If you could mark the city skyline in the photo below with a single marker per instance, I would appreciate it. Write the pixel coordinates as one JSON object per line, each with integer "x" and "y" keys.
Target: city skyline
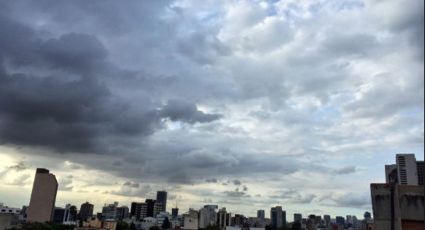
{"x": 245, "y": 104}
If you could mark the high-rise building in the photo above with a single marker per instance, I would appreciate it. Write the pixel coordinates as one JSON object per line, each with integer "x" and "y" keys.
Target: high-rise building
{"x": 174, "y": 212}
{"x": 122, "y": 213}
{"x": 340, "y": 220}
{"x": 58, "y": 215}
{"x": 223, "y": 218}
{"x": 278, "y": 217}
{"x": 109, "y": 211}
{"x": 150, "y": 207}
{"x": 136, "y": 210}
{"x": 261, "y": 214}
{"x": 407, "y": 169}
{"x": 207, "y": 215}
{"x": 43, "y": 197}
{"x": 190, "y": 220}
{"x": 70, "y": 214}
{"x": 421, "y": 171}
{"x": 161, "y": 201}
{"x": 327, "y": 219}
{"x": 298, "y": 217}
{"x": 86, "y": 211}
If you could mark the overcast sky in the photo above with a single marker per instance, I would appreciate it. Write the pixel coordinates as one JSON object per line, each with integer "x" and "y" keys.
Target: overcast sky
{"x": 244, "y": 104}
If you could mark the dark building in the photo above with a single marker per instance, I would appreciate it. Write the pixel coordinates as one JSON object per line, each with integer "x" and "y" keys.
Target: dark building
{"x": 58, "y": 215}
{"x": 298, "y": 217}
{"x": 161, "y": 201}
{"x": 136, "y": 210}
{"x": 86, "y": 211}
{"x": 327, "y": 219}
{"x": 122, "y": 213}
{"x": 420, "y": 168}
{"x": 174, "y": 212}
{"x": 340, "y": 220}
{"x": 261, "y": 214}
{"x": 278, "y": 217}
{"x": 70, "y": 213}
{"x": 150, "y": 207}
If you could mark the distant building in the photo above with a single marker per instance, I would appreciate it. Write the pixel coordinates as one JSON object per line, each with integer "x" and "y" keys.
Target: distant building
{"x": 7, "y": 209}
{"x": 70, "y": 215}
{"x": 298, "y": 217}
{"x": 190, "y": 220}
{"x": 9, "y": 217}
{"x": 58, "y": 215}
{"x": 223, "y": 218}
{"x": 136, "y": 210}
{"x": 327, "y": 220}
{"x": 150, "y": 207}
{"x": 109, "y": 211}
{"x": 278, "y": 217}
{"x": 43, "y": 197}
{"x": 340, "y": 220}
{"x": 207, "y": 215}
{"x": 261, "y": 214}
{"x": 174, "y": 212}
{"x": 122, "y": 213}
{"x": 86, "y": 211}
{"x": 161, "y": 202}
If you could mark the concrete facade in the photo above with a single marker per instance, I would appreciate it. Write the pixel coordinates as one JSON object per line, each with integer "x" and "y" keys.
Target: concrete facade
{"x": 43, "y": 197}
{"x": 408, "y": 206}
{"x": 407, "y": 169}
{"x": 190, "y": 220}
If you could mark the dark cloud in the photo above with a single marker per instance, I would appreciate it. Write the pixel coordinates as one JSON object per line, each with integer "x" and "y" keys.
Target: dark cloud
{"x": 131, "y": 184}
{"x": 236, "y": 193}
{"x": 212, "y": 180}
{"x": 183, "y": 111}
{"x": 236, "y": 182}
{"x": 20, "y": 166}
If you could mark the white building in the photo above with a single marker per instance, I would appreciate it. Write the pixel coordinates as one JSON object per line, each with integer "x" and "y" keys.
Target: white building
{"x": 7, "y": 209}
{"x": 147, "y": 223}
{"x": 407, "y": 169}
{"x": 190, "y": 220}
{"x": 160, "y": 218}
{"x": 207, "y": 215}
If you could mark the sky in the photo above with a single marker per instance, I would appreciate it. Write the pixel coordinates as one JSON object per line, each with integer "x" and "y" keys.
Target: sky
{"x": 244, "y": 104}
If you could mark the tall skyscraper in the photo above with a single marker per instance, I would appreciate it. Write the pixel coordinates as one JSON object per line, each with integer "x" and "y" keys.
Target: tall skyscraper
{"x": 261, "y": 214}
{"x": 43, "y": 197}
{"x": 161, "y": 201}
{"x": 86, "y": 211}
{"x": 278, "y": 217}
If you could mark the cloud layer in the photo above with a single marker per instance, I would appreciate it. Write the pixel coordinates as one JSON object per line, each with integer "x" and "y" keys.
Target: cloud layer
{"x": 213, "y": 100}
